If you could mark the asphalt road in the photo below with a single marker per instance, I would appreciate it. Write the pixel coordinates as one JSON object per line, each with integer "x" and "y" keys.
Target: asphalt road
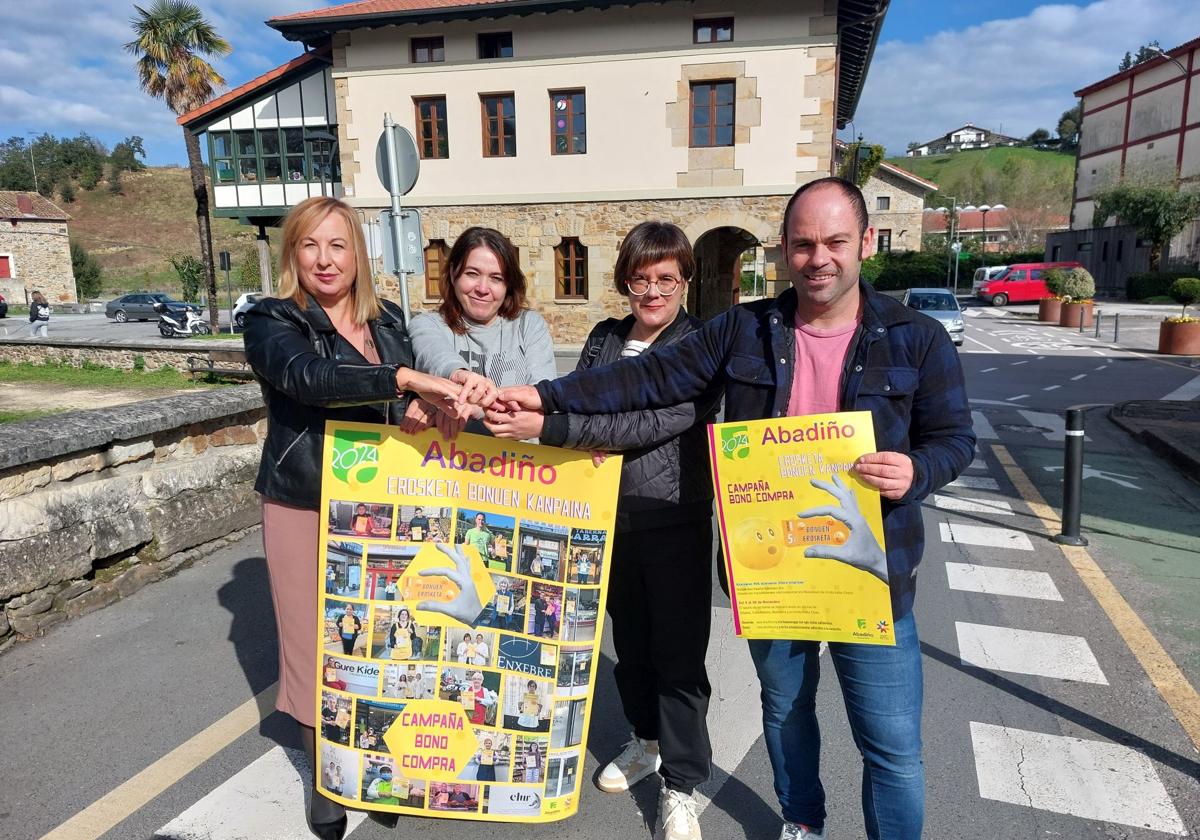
{"x": 1040, "y": 720}
{"x": 92, "y": 327}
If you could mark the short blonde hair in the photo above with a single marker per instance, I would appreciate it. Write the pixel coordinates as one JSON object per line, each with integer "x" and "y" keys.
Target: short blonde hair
{"x": 303, "y": 219}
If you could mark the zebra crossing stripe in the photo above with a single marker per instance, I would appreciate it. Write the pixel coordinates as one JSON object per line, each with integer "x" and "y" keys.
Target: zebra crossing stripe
{"x": 983, "y": 429}
{"x": 1028, "y": 652}
{"x": 1089, "y": 779}
{"x": 984, "y": 535}
{"x": 965, "y": 505}
{"x": 994, "y": 580}
{"x": 975, "y": 483}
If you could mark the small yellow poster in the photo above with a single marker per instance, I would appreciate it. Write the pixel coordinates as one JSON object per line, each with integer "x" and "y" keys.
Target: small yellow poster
{"x": 462, "y": 610}
{"x": 803, "y": 537}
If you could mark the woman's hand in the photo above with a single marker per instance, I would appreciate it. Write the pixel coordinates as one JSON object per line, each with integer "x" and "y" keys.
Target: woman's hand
{"x": 442, "y": 393}
{"x": 477, "y": 389}
{"x": 515, "y": 425}
{"x": 418, "y": 417}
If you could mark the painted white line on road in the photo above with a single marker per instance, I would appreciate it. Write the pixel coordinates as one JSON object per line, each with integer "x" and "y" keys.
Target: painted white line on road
{"x": 1099, "y": 352}
{"x": 1055, "y": 423}
{"x": 975, "y": 483}
{"x": 994, "y": 580}
{"x": 988, "y": 370}
{"x": 264, "y": 800}
{"x": 977, "y": 464}
{"x": 984, "y": 535}
{"x": 1186, "y": 392}
{"x": 1102, "y": 367}
{"x": 1089, "y": 779}
{"x": 986, "y": 348}
{"x": 972, "y": 505}
{"x": 1051, "y": 387}
{"x": 1025, "y": 362}
{"x": 1028, "y": 652}
{"x": 983, "y": 429}
{"x": 1017, "y": 397}
{"x": 1078, "y": 377}
{"x": 1039, "y": 358}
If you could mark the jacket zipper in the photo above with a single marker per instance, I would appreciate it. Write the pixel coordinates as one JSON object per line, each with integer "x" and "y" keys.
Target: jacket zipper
{"x": 283, "y": 457}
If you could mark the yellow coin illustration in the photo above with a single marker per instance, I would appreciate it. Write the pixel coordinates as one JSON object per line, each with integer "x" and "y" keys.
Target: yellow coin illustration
{"x": 758, "y": 544}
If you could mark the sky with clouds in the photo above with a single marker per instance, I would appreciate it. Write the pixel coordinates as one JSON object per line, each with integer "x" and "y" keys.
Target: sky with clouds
{"x": 1001, "y": 63}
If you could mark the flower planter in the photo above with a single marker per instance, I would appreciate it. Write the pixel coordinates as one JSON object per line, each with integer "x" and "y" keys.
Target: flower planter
{"x": 1049, "y": 309}
{"x": 1073, "y": 313}
{"x": 1179, "y": 339}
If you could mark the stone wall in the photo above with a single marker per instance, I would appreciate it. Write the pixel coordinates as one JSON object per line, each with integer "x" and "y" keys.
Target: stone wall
{"x": 154, "y": 354}
{"x": 95, "y": 504}
{"x": 903, "y": 218}
{"x": 41, "y": 260}
{"x": 536, "y": 229}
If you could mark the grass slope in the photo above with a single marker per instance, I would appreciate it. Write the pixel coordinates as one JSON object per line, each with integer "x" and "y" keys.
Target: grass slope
{"x": 133, "y": 234}
{"x": 961, "y": 173}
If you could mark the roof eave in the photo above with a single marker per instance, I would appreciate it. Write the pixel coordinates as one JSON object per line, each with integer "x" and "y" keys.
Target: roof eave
{"x": 1109, "y": 81}
{"x": 859, "y": 25}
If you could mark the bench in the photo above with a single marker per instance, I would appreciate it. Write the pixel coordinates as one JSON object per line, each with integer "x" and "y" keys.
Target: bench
{"x": 220, "y": 363}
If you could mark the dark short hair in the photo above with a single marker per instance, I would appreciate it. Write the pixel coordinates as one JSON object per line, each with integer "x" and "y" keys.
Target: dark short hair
{"x": 649, "y": 243}
{"x": 510, "y": 266}
{"x": 848, "y": 190}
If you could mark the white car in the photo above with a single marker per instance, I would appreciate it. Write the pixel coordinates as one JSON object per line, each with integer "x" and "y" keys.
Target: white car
{"x": 244, "y": 302}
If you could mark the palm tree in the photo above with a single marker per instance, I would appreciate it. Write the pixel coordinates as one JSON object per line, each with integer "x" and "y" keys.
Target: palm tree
{"x": 171, "y": 41}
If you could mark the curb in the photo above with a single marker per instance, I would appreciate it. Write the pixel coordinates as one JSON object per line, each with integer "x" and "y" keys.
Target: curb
{"x": 1175, "y": 440}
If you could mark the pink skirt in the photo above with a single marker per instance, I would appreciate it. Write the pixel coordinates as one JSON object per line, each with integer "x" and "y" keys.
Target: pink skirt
{"x": 291, "y": 537}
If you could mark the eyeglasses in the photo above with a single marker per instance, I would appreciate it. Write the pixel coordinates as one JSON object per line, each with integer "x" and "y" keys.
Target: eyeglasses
{"x": 666, "y": 286}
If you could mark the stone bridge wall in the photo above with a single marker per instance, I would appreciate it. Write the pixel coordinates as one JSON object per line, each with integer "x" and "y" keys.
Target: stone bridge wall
{"x": 154, "y": 354}
{"x": 95, "y": 504}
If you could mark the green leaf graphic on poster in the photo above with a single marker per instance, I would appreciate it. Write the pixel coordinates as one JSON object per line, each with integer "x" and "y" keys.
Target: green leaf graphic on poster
{"x": 356, "y": 456}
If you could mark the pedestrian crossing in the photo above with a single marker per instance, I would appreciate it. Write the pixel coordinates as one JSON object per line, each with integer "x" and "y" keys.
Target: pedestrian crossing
{"x": 1091, "y": 779}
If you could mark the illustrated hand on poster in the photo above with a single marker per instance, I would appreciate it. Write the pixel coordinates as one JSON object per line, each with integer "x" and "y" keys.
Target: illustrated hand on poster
{"x": 467, "y": 605}
{"x": 861, "y": 550}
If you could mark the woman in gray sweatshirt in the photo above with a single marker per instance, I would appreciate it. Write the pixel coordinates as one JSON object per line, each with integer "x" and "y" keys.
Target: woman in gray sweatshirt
{"x": 482, "y": 329}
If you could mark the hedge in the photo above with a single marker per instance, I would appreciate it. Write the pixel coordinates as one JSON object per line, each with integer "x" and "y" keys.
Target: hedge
{"x": 1150, "y": 284}
{"x": 896, "y": 270}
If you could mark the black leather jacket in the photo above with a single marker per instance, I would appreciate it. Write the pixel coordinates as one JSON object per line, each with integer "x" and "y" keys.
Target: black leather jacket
{"x": 310, "y": 374}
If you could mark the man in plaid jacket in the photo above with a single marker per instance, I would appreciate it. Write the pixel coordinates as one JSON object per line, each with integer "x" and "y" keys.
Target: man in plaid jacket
{"x": 829, "y": 343}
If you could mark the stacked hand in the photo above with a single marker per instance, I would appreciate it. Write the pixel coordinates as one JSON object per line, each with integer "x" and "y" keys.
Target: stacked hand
{"x": 516, "y": 413}
{"x": 445, "y": 403}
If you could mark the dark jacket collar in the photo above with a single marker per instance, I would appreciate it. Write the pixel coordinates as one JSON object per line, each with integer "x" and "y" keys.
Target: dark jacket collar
{"x": 679, "y": 324}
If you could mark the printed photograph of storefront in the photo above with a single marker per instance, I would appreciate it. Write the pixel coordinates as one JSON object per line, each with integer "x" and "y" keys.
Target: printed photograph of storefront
{"x": 543, "y": 550}
{"x": 360, "y": 519}
{"x": 587, "y": 554}
{"x": 569, "y": 722}
{"x": 574, "y": 671}
{"x": 343, "y": 573}
{"x": 385, "y": 565}
{"x": 581, "y": 610}
{"x": 561, "y": 771}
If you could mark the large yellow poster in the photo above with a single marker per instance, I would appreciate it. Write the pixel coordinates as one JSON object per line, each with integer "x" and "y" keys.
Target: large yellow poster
{"x": 803, "y": 538}
{"x": 462, "y": 610}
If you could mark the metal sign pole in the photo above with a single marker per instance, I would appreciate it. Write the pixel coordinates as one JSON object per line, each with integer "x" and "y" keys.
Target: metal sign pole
{"x": 394, "y": 191}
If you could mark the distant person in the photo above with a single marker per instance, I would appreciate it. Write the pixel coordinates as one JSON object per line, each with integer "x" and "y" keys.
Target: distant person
{"x": 327, "y": 348}
{"x": 39, "y": 316}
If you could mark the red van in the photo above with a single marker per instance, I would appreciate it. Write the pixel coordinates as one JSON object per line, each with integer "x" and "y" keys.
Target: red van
{"x": 1020, "y": 283}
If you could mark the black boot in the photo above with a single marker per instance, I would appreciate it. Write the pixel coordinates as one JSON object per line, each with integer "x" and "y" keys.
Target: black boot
{"x": 385, "y": 819}
{"x": 326, "y": 818}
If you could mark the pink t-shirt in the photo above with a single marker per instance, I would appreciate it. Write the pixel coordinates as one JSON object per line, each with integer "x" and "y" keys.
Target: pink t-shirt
{"x": 817, "y": 375}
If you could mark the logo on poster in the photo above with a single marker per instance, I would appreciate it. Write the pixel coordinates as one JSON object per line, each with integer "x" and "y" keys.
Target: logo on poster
{"x": 735, "y": 442}
{"x": 355, "y": 456}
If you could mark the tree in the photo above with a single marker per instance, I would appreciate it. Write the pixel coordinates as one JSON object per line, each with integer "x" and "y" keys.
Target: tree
{"x": 66, "y": 191}
{"x": 171, "y": 42}
{"x": 859, "y": 161}
{"x": 191, "y": 274}
{"x": 1068, "y": 125}
{"x": 1158, "y": 212}
{"x": 1039, "y": 135}
{"x": 125, "y": 154}
{"x": 115, "y": 187}
{"x": 87, "y": 272}
{"x": 1144, "y": 53}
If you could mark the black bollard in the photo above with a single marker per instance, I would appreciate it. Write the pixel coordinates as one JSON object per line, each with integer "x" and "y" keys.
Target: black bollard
{"x": 1116, "y": 327}
{"x": 1072, "y": 479}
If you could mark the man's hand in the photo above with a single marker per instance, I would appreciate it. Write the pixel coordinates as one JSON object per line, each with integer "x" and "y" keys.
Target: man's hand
{"x": 891, "y": 473}
{"x": 517, "y": 397}
{"x": 466, "y": 606}
{"x": 861, "y": 550}
{"x": 515, "y": 425}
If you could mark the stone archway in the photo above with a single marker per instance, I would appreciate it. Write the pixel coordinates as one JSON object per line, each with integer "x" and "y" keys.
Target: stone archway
{"x": 717, "y": 282}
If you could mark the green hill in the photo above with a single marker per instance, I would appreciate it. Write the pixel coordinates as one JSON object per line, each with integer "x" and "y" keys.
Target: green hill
{"x": 1013, "y": 175}
{"x": 132, "y": 235}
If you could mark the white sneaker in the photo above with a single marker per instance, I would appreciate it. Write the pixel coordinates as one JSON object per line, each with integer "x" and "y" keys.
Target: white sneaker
{"x": 796, "y": 831}
{"x": 637, "y": 761}
{"x": 676, "y": 816}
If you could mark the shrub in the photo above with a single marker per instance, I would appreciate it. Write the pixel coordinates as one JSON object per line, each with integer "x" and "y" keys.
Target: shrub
{"x": 87, "y": 272}
{"x": 1054, "y": 281}
{"x": 66, "y": 191}
{"x": 139, "y": 363}
{"x": 872, "y": 268}
{"x": 1078, "y": 285}
{"x": 191, "y": 274}
{"x": 1150, "y": 284}
{"x": 1186, "y": 291}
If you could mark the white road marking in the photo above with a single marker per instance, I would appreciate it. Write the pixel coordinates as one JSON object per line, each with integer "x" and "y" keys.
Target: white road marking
{"x": 975, "y": 483}
{"x": 1056, "y": 424}
{"x": 1028, "y": 652}
{"x": 1051, "y": 387}
{"x": 1025, "y": 362}
{"x": 264, "y": 800}
{"x": 972, "y": 505}
{"x": 995, "y": 580}
{"x": 986, "y": 348}
{"x": 1185, "y": 392}
{"x": 983, "y": 429}
{"x": 1090, "y": 779}
{"x": 1102, "y": 367}
{"x": 988, "y": 370}
{"x": 1039, "y": 358}
{"x": 1018, "y": 397}
{"x": 984, "y": 535}
{"x": 1099, "y": 352}
{"x": 977, "y": 464}
{"x": 1078, "y": 377}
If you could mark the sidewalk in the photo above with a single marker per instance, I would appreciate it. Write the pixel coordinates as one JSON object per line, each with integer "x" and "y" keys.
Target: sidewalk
{"x": 1170, "y": 428}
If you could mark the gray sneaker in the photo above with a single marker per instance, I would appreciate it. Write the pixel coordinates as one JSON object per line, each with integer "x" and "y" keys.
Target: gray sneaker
{"x": 676, "y": 816}
{"x": 637, "y": 761}
{"x": 796, "y": 831}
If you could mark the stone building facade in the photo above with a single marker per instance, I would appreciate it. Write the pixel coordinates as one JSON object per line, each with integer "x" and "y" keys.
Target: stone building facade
{"x": 35, "y": 253}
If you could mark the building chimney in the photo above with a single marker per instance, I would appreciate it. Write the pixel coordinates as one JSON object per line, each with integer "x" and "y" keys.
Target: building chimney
{"x": 25, "y": 204}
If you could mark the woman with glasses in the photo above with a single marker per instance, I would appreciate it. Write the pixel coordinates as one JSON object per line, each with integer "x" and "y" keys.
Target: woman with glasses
{"x": 659, "y": 595}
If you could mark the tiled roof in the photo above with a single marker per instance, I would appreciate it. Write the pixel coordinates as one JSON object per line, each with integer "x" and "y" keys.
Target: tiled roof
{"x": 252, "y": 85}
{"x": 972, "y": 220}
{"x": 898, "y": 171}
{"x": 383, "y": 7}
{"x": 40, "y": 208}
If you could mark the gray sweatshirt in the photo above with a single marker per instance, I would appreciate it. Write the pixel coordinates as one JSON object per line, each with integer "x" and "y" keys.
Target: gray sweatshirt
{"x": 516, "y": 352}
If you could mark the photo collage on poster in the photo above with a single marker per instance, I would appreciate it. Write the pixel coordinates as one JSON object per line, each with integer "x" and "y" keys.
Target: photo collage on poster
{"x": 522, "y": 673}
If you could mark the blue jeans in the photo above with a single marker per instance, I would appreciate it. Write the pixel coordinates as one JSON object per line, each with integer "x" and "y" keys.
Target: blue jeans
{"x": 882, "y": 689}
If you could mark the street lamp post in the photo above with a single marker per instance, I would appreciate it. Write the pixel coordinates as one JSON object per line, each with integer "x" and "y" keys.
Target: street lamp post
{"x": 983, "y": 211}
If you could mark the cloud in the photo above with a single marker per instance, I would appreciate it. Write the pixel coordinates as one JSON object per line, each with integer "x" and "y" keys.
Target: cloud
{"x": 1014, "y": 74}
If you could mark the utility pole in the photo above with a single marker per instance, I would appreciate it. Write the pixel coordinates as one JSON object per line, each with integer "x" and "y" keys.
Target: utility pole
{"x": 951, "y": 217}
{"x": 32, "y": 162}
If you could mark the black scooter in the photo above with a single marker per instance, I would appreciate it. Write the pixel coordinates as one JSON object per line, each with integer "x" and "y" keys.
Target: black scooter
{"x": 173, "y": 323}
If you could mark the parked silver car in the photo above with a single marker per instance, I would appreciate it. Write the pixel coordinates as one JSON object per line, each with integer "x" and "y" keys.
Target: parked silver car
{"x": 139, "y": 306}
{"x": 942, "y": 305}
